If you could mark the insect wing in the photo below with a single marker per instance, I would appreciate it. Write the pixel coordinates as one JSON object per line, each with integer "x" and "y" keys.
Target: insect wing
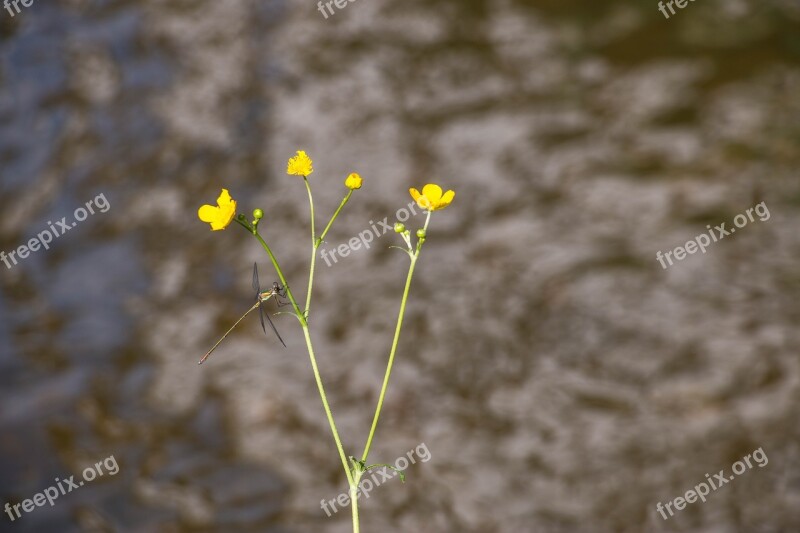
{"x": 261, "y": 314}
{"x": 256, "y": 285}
{"x": 264, "y": 314}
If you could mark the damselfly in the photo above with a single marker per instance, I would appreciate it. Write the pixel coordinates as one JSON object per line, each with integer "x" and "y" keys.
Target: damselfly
{"x": 261, "y": 299}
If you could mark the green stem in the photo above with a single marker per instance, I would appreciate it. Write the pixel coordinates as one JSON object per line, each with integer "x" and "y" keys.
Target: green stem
{"x": 354, "y": 499}
{"x": 318, "y": 242}
{"x": 313, "y": 248}
{"x": 335, "y": 214}
{"x": 325, "y": 405}
{"x": 317, "y": 376}
{"x": 392, "y": 352}
{"x": 282, "y": 278}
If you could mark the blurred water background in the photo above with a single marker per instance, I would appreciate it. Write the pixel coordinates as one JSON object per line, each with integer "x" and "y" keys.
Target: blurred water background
{"x": 561, "y": 379}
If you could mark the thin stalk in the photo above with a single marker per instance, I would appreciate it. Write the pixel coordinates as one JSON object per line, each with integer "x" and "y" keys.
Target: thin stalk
{"x": 388, "y": 373}
{"x": 313, "y": 249}
{"x": 310, "y": 347}
{"x": 392, "y": 352}
{"x": 318, "y": 242}
{"x": 282, "y": 278}
{"x": 315, "y": 243}
{"x": 354, "y": 499}
{"x": 335, "y": 214}
{"x": 325, "y": 405}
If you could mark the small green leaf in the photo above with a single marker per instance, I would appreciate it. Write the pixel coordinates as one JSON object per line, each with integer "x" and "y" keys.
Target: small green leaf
{"x": 400, "y": 472}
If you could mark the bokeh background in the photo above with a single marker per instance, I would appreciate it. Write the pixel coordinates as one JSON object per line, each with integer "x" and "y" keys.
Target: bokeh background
{"x": 561, "y": 379}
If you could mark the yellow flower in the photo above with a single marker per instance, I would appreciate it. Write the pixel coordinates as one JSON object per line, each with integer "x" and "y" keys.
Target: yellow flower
{"x": 353, "y": 181}
{"x": 219, "y": 217}
{"x": 432, "y": 197}
{"x": 300, "y": 165}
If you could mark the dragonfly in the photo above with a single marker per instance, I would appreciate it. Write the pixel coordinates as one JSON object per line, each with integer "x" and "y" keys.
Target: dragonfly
{"x": 261, "y": 299}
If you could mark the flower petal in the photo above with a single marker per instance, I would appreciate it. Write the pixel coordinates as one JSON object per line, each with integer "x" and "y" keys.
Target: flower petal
{"x": 208, "y": 213}
{"x": 421, "y": 200}
{"x": 433, "y": 193}
{"x": 225, "y": 199}
{"x": 300, "y": 165}
{"x": 447, "y": 198}
{"x": 220, "y": 216}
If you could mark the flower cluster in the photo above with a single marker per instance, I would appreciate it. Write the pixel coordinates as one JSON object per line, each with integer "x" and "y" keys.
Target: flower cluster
{"x": 432, "y": 198}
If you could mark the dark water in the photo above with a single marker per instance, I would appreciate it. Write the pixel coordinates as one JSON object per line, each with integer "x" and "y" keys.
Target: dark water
{"x": 561, "y": 379}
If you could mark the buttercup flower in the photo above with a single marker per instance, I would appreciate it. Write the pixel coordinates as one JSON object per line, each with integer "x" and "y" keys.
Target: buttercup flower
{"x": 353, "y": 181}
{"x": 300, "y": 165}
{"x": 220, "y": 216}
{"x": 432, "y": 198}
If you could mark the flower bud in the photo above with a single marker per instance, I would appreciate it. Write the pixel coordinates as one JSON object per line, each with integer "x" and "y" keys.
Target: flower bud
{"x": 258, "y": 214}
{"x": 421, "y": 233}
{"x": 353, "y": 181}
{"x": 399, "y": 227}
